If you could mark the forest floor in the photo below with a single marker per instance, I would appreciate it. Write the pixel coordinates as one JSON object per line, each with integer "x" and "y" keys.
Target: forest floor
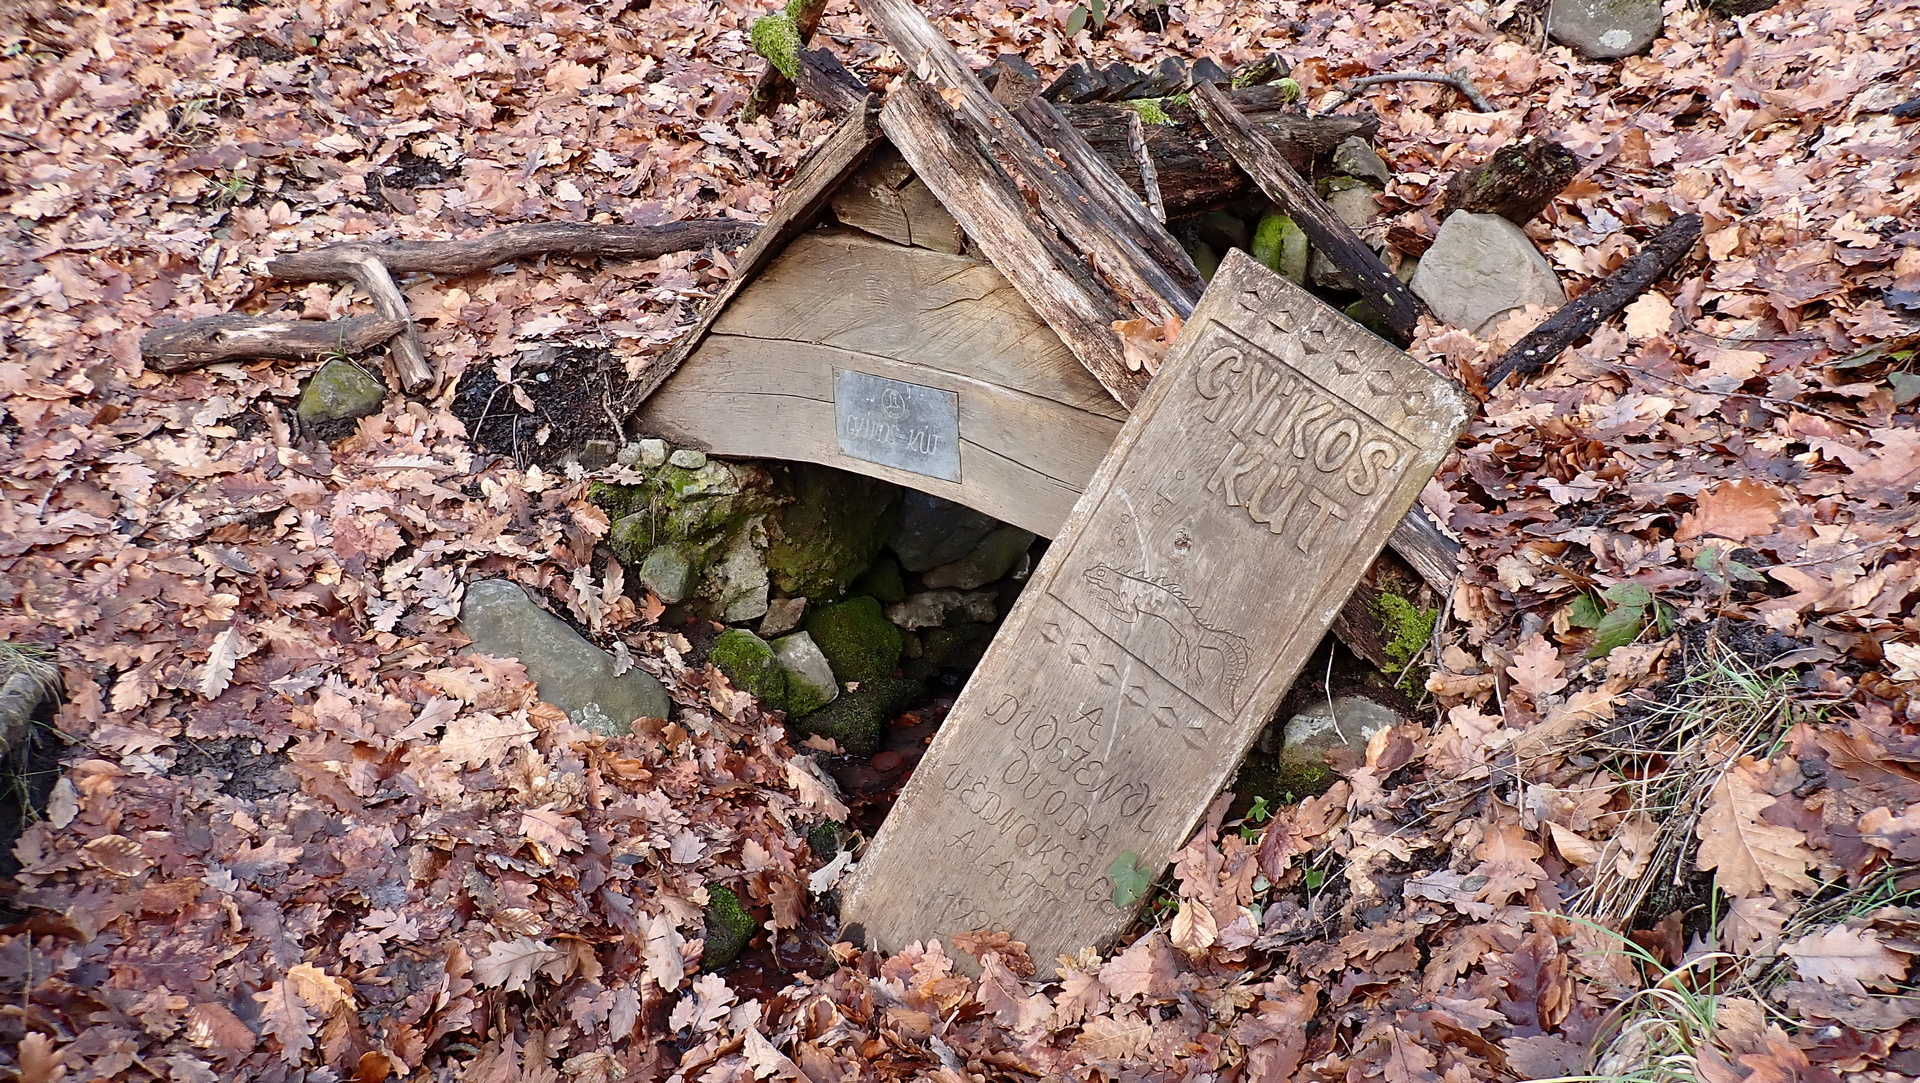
{"x": 1659, "y": 816}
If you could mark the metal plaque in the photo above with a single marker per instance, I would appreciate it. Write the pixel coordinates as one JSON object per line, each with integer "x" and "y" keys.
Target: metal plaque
{"x": 895, "y": 423}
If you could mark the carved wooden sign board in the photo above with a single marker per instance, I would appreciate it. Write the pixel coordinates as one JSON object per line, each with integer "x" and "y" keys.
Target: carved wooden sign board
{"x": 1264, "y": 469}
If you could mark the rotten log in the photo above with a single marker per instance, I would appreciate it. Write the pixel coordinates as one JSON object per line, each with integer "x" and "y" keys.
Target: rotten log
{"x": 1193, "y": 173}
{"x": 239, "y": 337}
{"x": 473, "y": 254}
{"x": 1257, "y": 155}
{"x": 1156, "y": 289}
{"x": 1516, "y": 182}
{"x": 1580, "y": 316}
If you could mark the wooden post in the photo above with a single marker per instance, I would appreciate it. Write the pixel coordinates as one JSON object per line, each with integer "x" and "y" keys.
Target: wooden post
{"x": 1264, "y": 469}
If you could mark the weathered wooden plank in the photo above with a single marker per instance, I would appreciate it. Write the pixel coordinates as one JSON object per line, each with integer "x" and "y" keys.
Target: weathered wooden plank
{"x": 800, "y": 205}
{"x": 1084, "y": 217}
{"x": 885, "y": 199}
{"x": 1329, "y": 233}
{"x": 987, "y": 204}
{"x": 1259, "y": 476}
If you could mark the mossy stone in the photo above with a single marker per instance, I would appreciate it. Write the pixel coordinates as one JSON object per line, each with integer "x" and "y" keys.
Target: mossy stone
{"x": 831, "y": 531}
{"x": 858, "y": 640}
{"x": 667, "y": 573}
{"x": 729, "y": 927}
{"x": 883, "y": 579}
{"x": 340, "y": 391}
{"x": 857, "y": 720}
{"x": 824, "y": 838}
{"x": 1281, "y": 245}
{"x": 993, "y": 558}
{"x": 1279, "y": 782}
{"x": 959, "y": 647}
{"x": 810, "y": 683}
{"x": 749, "y": 662}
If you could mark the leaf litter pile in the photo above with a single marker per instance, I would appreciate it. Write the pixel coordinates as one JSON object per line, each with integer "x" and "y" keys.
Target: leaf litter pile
{"x": 1660, "y": 818}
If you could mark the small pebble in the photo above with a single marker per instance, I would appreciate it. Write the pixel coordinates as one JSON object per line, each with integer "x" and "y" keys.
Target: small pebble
{"x": 688, "y": 459}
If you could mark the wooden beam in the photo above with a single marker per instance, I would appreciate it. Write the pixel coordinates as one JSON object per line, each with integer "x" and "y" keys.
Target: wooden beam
{"x": 988, "y": 205}
{"x": 1263, "y": 161}
{"x": 1156, "y": 290}
{"x": 799, "y": 207}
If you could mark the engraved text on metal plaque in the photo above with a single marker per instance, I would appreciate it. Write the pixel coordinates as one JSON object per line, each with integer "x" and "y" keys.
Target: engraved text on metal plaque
{"x": 898, "y": 424}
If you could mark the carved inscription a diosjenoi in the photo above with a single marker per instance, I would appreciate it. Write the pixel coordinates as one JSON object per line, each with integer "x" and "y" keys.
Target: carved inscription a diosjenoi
{"x": 1261, "y": 474}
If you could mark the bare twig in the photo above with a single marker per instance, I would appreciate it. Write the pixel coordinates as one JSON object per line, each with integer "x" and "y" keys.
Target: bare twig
{"x": 1455, "y": 79}
{"x": 473, "y": 254}
{"x": 1149, "y": 176}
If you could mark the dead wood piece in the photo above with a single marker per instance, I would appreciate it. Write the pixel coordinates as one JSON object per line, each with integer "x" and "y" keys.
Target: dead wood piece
{"x": 1193, "y": 174}
{"x": 1455, "y": 79}
{"x": 1113, "y": 196}
{"x": 1578, "y": 317}
{"x": 22, "y": 693}
{"x": 239, "y": 337}
{"x": 1516, "y": 182}
{"x": 1257, "y": 155}
{"x": 334, "y": 263}
{"x": 409, "y": 360}
{"x": 772, "y": 84}
{"x": 1155, "y": 289}
{"x": 993, "y": 211}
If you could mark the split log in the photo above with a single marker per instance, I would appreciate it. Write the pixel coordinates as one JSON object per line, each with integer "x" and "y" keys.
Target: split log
{"x": 1516, "y": 183}
{"x": 239, "y": 337}
{"x": 1157, "y": 290}
{"x": 1578, "y": 317}
{"x": 1257, "y": 155}
{"x": 1194, "y": 175}
{"x": 473, "y": 254}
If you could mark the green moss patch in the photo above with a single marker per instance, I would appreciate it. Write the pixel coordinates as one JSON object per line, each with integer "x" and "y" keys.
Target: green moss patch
{"x": 1407, "y": 629}
{"x": 777, "y": 38}
{"x": 858, "y": 640}
{"x": 858, "y": 720}
{"x": 729, "y": 927}
{"x": 832, "y": 530}
{"x": 748, "y": 662}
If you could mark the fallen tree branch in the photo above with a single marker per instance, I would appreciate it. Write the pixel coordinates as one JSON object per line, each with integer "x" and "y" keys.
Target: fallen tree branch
{"x": 1455, "y": 79}
{"x": 239, "y": 337}
{"x": 409, "y": 360}
{"x": 1578, "y": 317}
{"x": 473, "y": 254}
{"x": 1257, "y": 155}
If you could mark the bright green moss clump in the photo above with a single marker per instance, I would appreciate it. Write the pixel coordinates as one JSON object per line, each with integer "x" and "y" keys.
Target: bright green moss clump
{"x": 1408, "y": 629}
{"x": 858, "y": 640}
{"x": 729, "y": 927}
{"x": 857, "y": 721}
{"x": 1280, "y": 244}
{"x": 749, "y": 663}
{"x": 778, "y": 39}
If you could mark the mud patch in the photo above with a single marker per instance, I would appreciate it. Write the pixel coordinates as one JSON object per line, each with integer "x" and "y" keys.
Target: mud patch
{"x": 573, "y": 392}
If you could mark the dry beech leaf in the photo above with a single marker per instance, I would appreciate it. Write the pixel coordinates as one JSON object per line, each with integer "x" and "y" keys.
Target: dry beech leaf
{"x": 1746, "y": 854}
{"x": 1850, "y": 959}
{"x": 117, "y": 854}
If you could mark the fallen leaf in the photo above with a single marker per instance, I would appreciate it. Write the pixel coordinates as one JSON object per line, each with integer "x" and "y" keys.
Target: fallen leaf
{"x": 1746, "y": 854}
{"x": 1847, "y": 958}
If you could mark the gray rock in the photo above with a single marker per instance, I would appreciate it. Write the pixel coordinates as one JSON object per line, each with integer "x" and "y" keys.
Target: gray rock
{"x": 1353, "y": 200}
{"x": 810, "y": 683}
{"x": 937, "y": 608}
{"x": 1604, "y": 29}
{"x": 572, "y": 674}
{"x": 595, "y": 454}
{"x": 688, "y": 459}
{"x": 1356, "y": 158}
{"x": 1322, "y": 739}
{"x": 992, "y": 559}
{"x": 1481, "y": 266}
{"x": 668, "y": 573}
{"x": 931, "y": 531}
{"x": 783, "y": 615}
{"x": 736, "y": 583}
{"x": 340, "y": 391}
{"x": 643, "y": 454}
